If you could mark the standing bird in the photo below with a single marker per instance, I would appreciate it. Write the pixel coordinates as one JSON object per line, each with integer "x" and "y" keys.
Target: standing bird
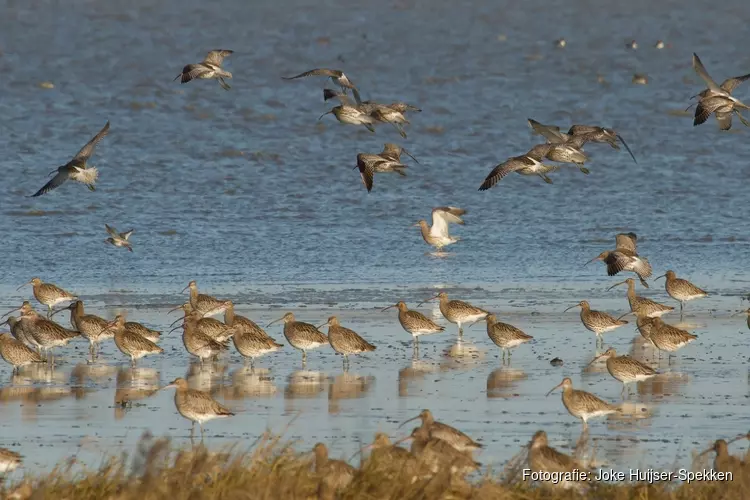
{"x": 131, "y": 344}
{"x": 625, "y": 369}
{"x": 724, "y": 462}
{"x": 597, "y": 321}
{"x": 301, "y": 336}
{"x": 93, "y": 328}
{"x": 210, "y": 67}
{"x": 681, "y": 290}
{"x": 717, "y": 99}
{"x": 45, "y": 333}
{"x": 118, "y": 239}
{"x": 249, "y": 339}
{"x": 625, "y": 258}
{"x": 543, "y": 458}
{"x": 524, "y": 165}
{"x": 48, "y": 294}
{"x": 505, "y": 336}
{"x": 345, "y": 341}
{"x": 415, "y": 323}
{"x": 198, "y": 343}
{"x": 438, "y": 454}
{"x": 195, "y": 405}
{"x": 641, "y": 306}
{"x": 458, "y": 311}
{"x": 437, "y": 234}
{"x": 667, "y": 338}
{"x": 338, "y": 77}
{"x": 438, "y": 430}
{"x": 582, "y": 404}
{"x": 77, "y": 168}
{"x": 205, "y": 304}
{"x": 147, "y": 333}
{"x": 16, "y": 353}
{"x": 335, "y": 474}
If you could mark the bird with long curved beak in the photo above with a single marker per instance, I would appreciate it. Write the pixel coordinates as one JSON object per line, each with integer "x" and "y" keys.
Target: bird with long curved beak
{"x": 438, "y": 430}
{"x": 351, "y": 115}
{"x": 581, "y": 404}
{"x": 48, "y": 294}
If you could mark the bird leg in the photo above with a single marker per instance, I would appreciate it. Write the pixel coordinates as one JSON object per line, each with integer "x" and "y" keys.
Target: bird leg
{"x": 224, "y": 84}
{"x": 192, "y": 430}
{"x": 583, "y": 169}
{"x": 49, "y": 311}
{"x": 546, "y": 178}
{"x": 682, "y": 304}
{"x": 304, "y": 357}
{"x": 202, "y": 434}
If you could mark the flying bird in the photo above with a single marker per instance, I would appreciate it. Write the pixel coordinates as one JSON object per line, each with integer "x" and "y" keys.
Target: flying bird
{"x": 717, "y": 99}
{"x": 524, "y": 165}
{"x": 210, "y": 67}
{"x": 368, "y": 164}
{"x": 437, "y": 234}
{"x": 77, "y": 168}
{"x": 118, "y": 239}
{"x": 338, "y": 77}
{"x": 625, "y": 258}
{"x": 578, "y": 135}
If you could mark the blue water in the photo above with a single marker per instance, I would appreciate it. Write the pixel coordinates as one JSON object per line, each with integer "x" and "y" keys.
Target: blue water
{"x": 246, "y": 192}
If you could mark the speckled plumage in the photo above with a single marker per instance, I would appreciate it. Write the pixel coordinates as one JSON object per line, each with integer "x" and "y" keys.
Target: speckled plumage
{"x": 48, "y": 294}
{"x": 439, "y": 454}
{"x": 143, "y": 331}
{"x": 197, "y": 343}
{"x": 681, "y": 289}
{"x": 438, "y": 430}
{"x": 93, "y": 328}
{"x": 345, "y": 341}
{"x": 543, "y": 458}
{"x": 302, "y": 336}
{"x": 414, "y": 322}
{"x": 16, "y": 353}
{"x": 641, "y": 306}
{"x": 626, "y": 369}
{"x": 131, "y": 344}
{"x": 668, "y": 338}
{"x": 581, "y": 404}
{"x": 458, "y": 312}
{"x": 205, "y": 304}
{"x": 505, "y": 336}
{"x": 334, "y": 474}
{"x": 195, "y": 405}
{"x": 625, "y": 258}
{"x": 597, "y": 321}
{"x": 250, "y": 340}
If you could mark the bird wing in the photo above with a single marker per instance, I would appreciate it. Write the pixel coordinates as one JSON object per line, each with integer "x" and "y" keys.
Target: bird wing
{"x": 55, "y": 182}
{"x": 641, "y": 267}
{"x": 86, "y": 152}
{"x": 706, "y": 107}
{"x": 442, "y": 216}
{"x": 701, "y": 70}
{"x": 315, "y": 72}
{"x": 616, "y": 262}
{"x": 626, "y": 241}
{"x": 126, "y": 235}
{"x": 192, "y": 71}
{"x": 366, "y": 164}
{"x": 539, "y": 151}
{"x": 731, "y": 83}
{"x": 505, "y": 168}
{"x": 582, "y": 129}
{"x": 343, "y": 98}
{"x": 549, "y": 132}
{"x": 724, "y": 119}
{"x": 112, "y": 231}
{"x": 217, "y": 56}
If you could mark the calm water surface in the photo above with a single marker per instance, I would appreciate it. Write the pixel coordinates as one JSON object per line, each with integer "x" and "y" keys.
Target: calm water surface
{"x": 247, "y": 193}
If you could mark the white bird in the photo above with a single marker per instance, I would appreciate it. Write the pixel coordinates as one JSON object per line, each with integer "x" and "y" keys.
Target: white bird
{"x": 118, "y": 239}
{"x": 437, "y": 235}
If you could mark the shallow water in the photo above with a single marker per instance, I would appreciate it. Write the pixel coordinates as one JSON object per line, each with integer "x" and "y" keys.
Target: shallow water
{"x": 245, "y": 192}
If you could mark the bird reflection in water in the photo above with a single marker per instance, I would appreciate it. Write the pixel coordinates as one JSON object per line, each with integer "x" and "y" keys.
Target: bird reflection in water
{"x": 249, "y": 383}
{"x": 502, "y": 382}
{"x": 134, "y": 384}
{"x": 461, "y": 355}
{"x": 208, "y": 377}
{"x": 347, "y": 386}
{"x": 412, "y": 373}
{"x": 304, "y": 384}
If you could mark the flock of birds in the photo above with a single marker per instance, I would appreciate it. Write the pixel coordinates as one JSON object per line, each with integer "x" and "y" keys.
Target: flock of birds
{"x": 33, "y": 336}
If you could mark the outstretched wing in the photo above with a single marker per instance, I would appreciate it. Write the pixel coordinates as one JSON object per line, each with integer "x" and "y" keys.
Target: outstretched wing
{"x": 731, "y": 83}
{"x": 366, "y": 164}
{"x": 549, "y": 132}
{"x": 706, "y": 108}
{"x": 626, "y": 241}
{"x": 315, "y": 72}
{"x": 55, "y": 182}
{"x": 505, "y": 168}
{"x": 85, "y": 153}
{"x": 192, "y": 71}
{"x": 442, "y": 216}
{"x": 701, "y": 70}
{"x": 126, "y": 235}
{"x": 616, "y": 262}
{"x": 724, "y": 120}
{"x": 217, "y": 56}
{"x": 112, "y": 231}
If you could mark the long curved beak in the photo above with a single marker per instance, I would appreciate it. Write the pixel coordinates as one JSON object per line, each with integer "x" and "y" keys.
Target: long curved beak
{"x": 25, "y": 284}
{"x": 173, "y": 329}
{"x": 596, "y": 358}
{"x": 175, "y": 321}
{"x": 428, "y": 300}
{"x": 11, "y": 311}
{"x": 662, "y": 276}
{"x": 110, "y": 325}
{"x": 738, "y": 313}
{"x": 384, "y": 309}
{"x": 626, "y": 314}
{"x": 406, "y": 422}
{"x": 324, "y": 324}
{"x": 415, "y": 225}
{"x": 175, "y": 308}
{"x": 327, "y": 113}
{"x": 402, "y": 440}
{"x": 705, "y": 451}
{"x": 185, "y": 288}
{"x": 274, "y": 322}
{"x": 592, "y": 260}
{"x": 627, "y": 147}
{"x": 170, "y": 386}
{"x": 741, "y": 436}
{"x": 59, "y": 310}
{"x": 571, "y": 307}
{"x": 553, "y": 389}
{"x": 409, "y": 155}
{"x": 616, "y": 284}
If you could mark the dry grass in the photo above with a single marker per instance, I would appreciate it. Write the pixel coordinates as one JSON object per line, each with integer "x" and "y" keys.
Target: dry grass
{"x": 273, "y": 470}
